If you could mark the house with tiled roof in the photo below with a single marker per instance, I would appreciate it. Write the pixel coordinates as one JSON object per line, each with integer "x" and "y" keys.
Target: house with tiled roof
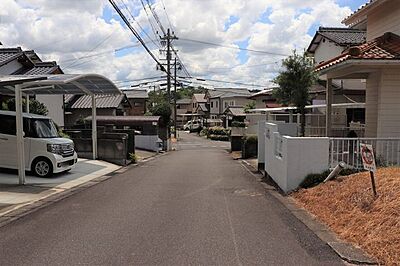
{"x": 138, "y": 100}
{"x": 219, "y": 99}
{"x": 79, "y": 107}
{"x": 377, "y": 61}
{"x": 15, "y": 61}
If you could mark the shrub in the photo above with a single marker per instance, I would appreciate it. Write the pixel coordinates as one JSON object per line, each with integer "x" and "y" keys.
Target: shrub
{"x": 133, "y": 157}
{"x": 238, "y": 124}
{"x": 218, "y": 131}
{"x": 204, "y": 132}
{"x": 312, "y": 180}
{"x": 219, "y": 137}
{"x": 251, "y": 139}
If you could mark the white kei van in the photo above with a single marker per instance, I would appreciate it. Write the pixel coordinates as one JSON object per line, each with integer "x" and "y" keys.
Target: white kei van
{"x": 45, "y": 152}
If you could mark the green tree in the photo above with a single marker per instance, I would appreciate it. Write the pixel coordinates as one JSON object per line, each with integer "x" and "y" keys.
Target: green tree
{"x": 35, "y": 107}
{"x": 249, "y": 106}
{"x": 294, "y": 82}
{"x": 162, "y": 109}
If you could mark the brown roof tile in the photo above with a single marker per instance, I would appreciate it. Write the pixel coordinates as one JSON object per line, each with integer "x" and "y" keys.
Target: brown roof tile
{"x": 384, "y": 47}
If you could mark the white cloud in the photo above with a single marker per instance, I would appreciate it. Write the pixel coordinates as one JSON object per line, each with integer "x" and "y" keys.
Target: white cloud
{"x": 63, "y": 30}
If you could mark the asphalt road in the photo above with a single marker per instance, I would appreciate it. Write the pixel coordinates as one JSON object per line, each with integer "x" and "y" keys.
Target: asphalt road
{"x": 194, "y": 206}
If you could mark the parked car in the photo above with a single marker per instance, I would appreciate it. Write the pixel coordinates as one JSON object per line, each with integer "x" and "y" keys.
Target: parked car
{"x": 193, "y": 126}
{"x": 45, "y": 152}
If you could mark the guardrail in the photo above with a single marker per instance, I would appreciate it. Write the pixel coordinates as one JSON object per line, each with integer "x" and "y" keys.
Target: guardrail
{"x": 387, "y": 151}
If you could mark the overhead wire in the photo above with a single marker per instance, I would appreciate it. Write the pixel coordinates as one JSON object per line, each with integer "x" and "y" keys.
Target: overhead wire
{"x": 149, "y": 20}
{"x": 166, "y": 14}
{"x": 137, "y": 22}
{"x": 233, "y": 47}
{"x": 91, "y": 50}
{"x": 137, "y": 35}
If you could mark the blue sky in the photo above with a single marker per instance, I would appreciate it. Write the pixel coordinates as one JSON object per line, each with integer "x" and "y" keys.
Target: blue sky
{"x": 85, "y": 27}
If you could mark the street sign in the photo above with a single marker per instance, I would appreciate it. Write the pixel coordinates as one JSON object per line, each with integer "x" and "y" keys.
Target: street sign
{"x": 368, "y": 159}
{"x": 367, "y": 156}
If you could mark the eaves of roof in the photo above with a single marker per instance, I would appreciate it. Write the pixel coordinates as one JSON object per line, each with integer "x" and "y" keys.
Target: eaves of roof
{"x": 385, "y": 47}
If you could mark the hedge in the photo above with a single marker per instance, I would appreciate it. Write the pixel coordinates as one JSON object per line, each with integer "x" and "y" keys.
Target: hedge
{"x": 219, "y": 137}
{"x": 218, "y": 131}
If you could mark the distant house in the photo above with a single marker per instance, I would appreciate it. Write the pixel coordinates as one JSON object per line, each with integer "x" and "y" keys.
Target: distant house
{"x": 234, "y": 113}
{"x": 197, "y": 99}
{"x": 183, "y": 107}
{"x": 78, "y": 107}
{"x": 15, "y": 61}
{"x": 219, "y": 99}
{"x": 265, "y": 99}
{"x": 138, "y": 100}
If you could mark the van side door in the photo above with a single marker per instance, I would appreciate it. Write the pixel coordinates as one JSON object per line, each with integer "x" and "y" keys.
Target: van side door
{"x": 8, "y": 143}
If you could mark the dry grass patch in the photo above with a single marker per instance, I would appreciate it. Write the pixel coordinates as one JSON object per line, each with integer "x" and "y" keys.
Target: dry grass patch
{"x": 348, "y": 207}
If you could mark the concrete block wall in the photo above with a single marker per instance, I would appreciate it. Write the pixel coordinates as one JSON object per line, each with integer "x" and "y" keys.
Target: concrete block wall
{"x": 297, "y": 158}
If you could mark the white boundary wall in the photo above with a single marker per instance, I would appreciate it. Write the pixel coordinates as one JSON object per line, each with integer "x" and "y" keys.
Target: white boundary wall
{"x": 289, "y": 159}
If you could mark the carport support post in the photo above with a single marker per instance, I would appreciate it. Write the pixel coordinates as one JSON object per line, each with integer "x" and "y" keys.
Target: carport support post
{"x": 20, "y": 135}
{"x": 27, "y": 103}
{"x": 94, "y": 128}
{"x": 329, "y": 99}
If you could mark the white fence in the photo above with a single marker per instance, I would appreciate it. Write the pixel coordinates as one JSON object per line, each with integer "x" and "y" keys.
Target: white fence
{"x": 387, "y": 151}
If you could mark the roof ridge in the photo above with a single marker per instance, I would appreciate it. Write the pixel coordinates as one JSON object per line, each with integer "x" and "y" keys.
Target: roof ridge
{"x": 345, "y": 29}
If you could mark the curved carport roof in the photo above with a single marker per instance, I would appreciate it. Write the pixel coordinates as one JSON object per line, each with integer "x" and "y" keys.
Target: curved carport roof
{"x": 59, "y": 84}
{"x": 91, "y": 84}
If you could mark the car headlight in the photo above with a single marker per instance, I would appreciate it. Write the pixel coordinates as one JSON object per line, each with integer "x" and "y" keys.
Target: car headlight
{"x": 54, "y": 148}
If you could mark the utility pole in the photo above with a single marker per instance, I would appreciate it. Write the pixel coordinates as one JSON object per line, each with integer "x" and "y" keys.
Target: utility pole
{"x": 168, "y": 38}
{"x": 175, "y": 115}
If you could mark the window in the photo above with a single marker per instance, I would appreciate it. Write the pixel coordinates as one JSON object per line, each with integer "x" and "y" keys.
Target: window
{"x": 137, "y": 104}
{"x": 212, "y": 104}
{"x": 7, "y": 125}
{"x": 216, "y": 104}
{"x": 225, "y": 104}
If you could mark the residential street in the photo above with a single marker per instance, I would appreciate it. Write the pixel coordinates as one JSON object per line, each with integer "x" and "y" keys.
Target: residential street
{"x": 193, "y": 206}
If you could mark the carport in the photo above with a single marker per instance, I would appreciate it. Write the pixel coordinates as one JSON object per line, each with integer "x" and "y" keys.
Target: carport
{"x": 78, "y": 84}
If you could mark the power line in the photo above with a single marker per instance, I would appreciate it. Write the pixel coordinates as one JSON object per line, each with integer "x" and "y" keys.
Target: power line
{"x": 134, "y": 32}
{"x": 148, "y": 18}
{"x": 157, "y": 19}
{"x": 166, "y": 14}
{"x": 133, "y": 18}
{"x": 91, "y": 50}
{"x": 228, "y": 82}
{"x": 233, "y": 47}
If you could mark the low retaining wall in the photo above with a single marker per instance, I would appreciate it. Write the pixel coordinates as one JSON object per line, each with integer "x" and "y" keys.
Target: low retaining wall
{"x": 289, "y": 159}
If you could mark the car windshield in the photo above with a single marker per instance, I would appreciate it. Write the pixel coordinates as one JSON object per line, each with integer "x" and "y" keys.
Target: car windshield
{"x": 45, "y": 128}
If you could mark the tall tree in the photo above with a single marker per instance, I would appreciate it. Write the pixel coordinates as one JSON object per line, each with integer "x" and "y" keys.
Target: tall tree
{"x": 295, "y": 81}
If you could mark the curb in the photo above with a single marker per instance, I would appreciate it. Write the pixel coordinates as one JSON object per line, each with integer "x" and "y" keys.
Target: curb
{"x": 47, "y": 200}
{"x": 346, "y": 251}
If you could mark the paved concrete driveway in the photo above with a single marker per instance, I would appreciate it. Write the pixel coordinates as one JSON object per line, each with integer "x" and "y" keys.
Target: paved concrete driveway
{"x": 13, "y": 196}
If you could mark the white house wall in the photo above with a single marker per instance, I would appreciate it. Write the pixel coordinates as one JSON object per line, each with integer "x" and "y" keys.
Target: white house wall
{"x": 384, "y": 19}
{"x": 54, "y": 104}
{"x": 214, "y": 106}
{"x": 326, "y": 50}
{"x": 235, "y": 101}
{"x": 371, "y": 104}
{"x": 389, "y": 104}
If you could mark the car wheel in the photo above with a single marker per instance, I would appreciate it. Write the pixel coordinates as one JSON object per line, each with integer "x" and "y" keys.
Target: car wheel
{"x": 42, "y": 167}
